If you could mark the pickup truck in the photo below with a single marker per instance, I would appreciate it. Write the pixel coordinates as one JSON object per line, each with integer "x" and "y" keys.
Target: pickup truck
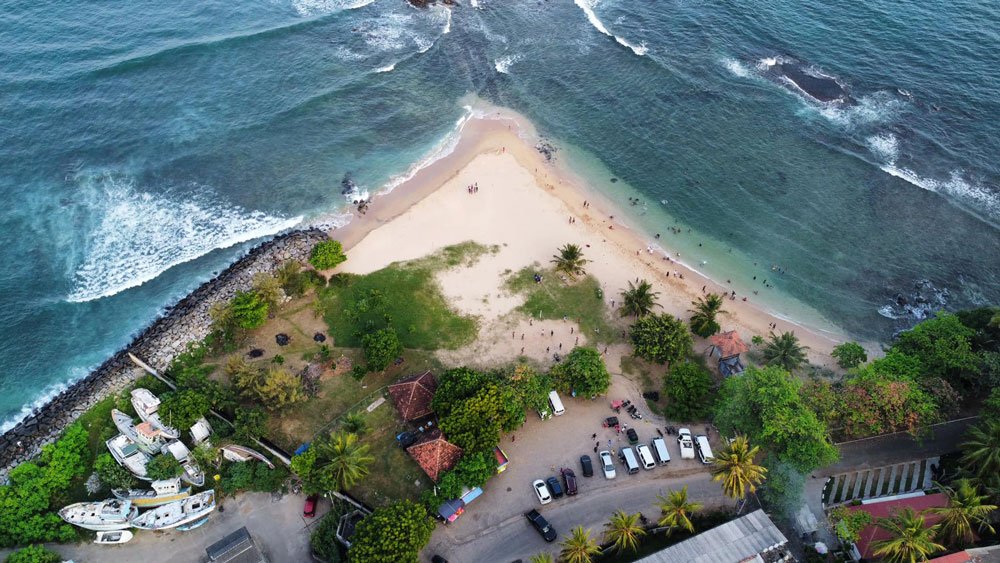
{"x": 686, "y": 443}
{"x": 541, "y": 524}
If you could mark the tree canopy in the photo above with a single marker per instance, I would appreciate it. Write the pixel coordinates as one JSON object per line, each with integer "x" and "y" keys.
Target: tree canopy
{"x": 849, "y": 355}
{"x": 660, "y": 338}
{"x": 582, "y": 372}
{"x": 688, "y": 387}
{"x": 392, "y": 534}
{"x": 381, "y": 348}
{"x": 943, "y": 345}
{"x": 183, "y": 408}
{"x": 327, "y": 255}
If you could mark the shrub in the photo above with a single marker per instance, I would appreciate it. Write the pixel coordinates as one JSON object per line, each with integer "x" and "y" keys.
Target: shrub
{"x": 689, "y": 388}
{"x": 252, "y": 476}
{"x": 381, "y": 348}
{"x": 660, "y": 338}
{"x": 324, "y": 538}
{"x": 111, "y": 474}
{"x": 849, "y": 355}
{"x": 582, "y": 372}
{"x": 327, "y": 255}
{"x": 163, "y": 466}
{"x": 250, "y": 423}
{"x": 249, "y": 309}
{"x": 183, "y": 408}
{"x": 34, "y": 554}
{"x": 393, "y": 533}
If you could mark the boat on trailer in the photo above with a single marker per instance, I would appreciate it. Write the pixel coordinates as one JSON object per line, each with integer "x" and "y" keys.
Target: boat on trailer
{"x": 105, "y": 515}
{"x": 167, "y": 490}
{"x": 177, "y": 513}
{"x": 147, "y": 406}
{"x": 112, "y": 538}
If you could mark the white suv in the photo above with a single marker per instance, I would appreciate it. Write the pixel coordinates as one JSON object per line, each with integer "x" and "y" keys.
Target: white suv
{"x": 686, "y": 443}
{"x": 645, "y": 456}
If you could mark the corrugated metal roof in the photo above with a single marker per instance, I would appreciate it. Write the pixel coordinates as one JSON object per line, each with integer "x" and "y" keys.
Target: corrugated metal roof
{"x": 731, "y": 542}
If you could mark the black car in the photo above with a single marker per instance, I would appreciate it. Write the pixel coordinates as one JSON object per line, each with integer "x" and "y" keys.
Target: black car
{"x": 554, "y": 486}
{"x": 541, "y": 524}
{"x": 633, "y": 438}
{"x": 588, "y": 467}
{"x": 570, "y": 478}
{"x": 406, "y": 439}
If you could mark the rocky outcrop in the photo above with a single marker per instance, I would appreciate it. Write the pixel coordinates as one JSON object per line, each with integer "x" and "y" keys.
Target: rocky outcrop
{"x": 186, "y": 321}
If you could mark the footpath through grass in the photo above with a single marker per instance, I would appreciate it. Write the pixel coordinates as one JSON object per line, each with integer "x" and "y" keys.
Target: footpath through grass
{"x": 552, "y": 298}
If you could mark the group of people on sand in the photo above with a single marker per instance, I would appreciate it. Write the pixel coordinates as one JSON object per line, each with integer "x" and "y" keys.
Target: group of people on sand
{"x": 472, "y": 188}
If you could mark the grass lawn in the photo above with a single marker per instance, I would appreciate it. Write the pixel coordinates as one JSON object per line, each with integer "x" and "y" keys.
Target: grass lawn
{"x": 393, "y": 474}
{"x": 553, "y": 299}
{"x": 405, "y": 294}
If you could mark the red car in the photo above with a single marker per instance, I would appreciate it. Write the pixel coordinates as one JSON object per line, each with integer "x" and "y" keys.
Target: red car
{"x": 310, "y": 509}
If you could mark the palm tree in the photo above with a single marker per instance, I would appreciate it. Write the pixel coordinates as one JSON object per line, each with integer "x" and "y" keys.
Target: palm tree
{"x": 570, "y": 260}
{"x": 965, "y": 510}
{"x": 677, "y": 510}
{"x": 639, "y": 300}
{"x": 735, "y": 468}
{"x": 579, "y": 547}
{"x": 705, "y": 309}
{"x": 909, "y": 539}
{"x": 981, "y": 450}
{"x": 345, "y": 460}
{"x": 624, "y": 531}
{"x": 785, "y": 351}
{"x": 544, "y": 557}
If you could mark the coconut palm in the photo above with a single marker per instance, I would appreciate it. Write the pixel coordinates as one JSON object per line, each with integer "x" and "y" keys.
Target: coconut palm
{"x": 579, "y": 547}
{"x": 570, "y": 260}
{"x": 544, "y": 557}
{"x": 735, "y": 468}
{"x": 966, "y": 510}
{"x": 639, "y": 300}
{"x": 909, "y": 541}
{"x": 624, "y": 531}
{"x": 343, "y": 460}
{"x": 703, "y": 321}
{"x": 785, "y": 351}
{"x": 981, "y": 450}
{"x": 677, "y": 510}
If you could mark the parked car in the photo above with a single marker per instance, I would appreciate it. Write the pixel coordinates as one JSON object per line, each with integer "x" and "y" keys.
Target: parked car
{"x": 587, "y": 466}
{"x": 608, "y": 463}
{"x": 633, "y": 437}
{"x": 542, "y": 491}
{"x": 570, "y": 478}
{"x": 406, "y": 439}
{"x": 686, "y": 443}
{"x": 541, "y": 524}
{"x": 645, "y": 456}
{"x": 310, "y": 509}
{"x": 556, "y": 488}
{"x": 660, "y": 449}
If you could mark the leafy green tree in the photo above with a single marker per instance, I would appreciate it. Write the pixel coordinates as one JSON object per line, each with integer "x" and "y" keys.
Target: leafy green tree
{"x": 475, "y": 424}
{"x": 875, "y": 402}
{"x": 34, "y": 554}
{"x": 355, "y": 423}
{"x": 381, "y": 347}
{"x": 944, "y": 347}
{"x": 268, "y": 288}
{"x": 985, "y": 321}
{"x": 849, "y": 355}
{"x": 454, "y": 385}
{"x": 112, "y": 474}
{"x": 782, "y": 492}
{"x": 784, "y": 351}
{"x": 579, "y": 547}
{"x": 660, "y": 338}
{"x": 250, "y": 424}
{"x": 323, "y": 539}
{"x": 676, "y": 510}
{"x": 967, "y": 512}
{"x": 305, "y": 466}
{"x": 624, "y": 531}
{"x": 910, "y": 539}
{"x": 327, "y": 255}
{"x": 249, "y": 310}
{"x": 582, "y": 372}
{"x": 981, "y": 452}
{"x": 274, "y": 388}
{"x": 570, "y": 260}
{"x": 183, "y": 408}
{"x": 530, "y": 387}
{"x": 848, "y": 523}
{"x": 391, "y": 534}
{"x": 764, "y": 404}
{"x": 255, "y": 477}
{"x": 638, "y": 300}
{"x": 163, "y": 466}
{"x": 472, "y": 470}
{"x": 705, "y": 310}
{"x": 734, "y": 467}
{"x": 688, "y": 386}
{"x": 343, "y": 460}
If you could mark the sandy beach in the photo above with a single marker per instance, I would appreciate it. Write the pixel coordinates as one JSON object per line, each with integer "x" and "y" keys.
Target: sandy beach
{"x": 524, "y": 204}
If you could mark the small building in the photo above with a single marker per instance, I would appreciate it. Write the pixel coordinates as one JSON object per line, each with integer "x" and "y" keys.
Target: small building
{"x": 753, "y": 537}
{"x": 413, "y": 395}
{"x": 727, "y": 347}
{"x": 237, "y": 547}
{"x": 886, "y": 508}
{"x": 434, "y": 454}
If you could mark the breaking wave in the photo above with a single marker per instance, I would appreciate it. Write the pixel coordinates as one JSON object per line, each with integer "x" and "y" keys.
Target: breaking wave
{"x": 736, "y": 67}
{"x": 975, "y": 197}
{"x": 504, "y": 63}
{"x": 588, "y": 9}
{"x": 306, "y": 8}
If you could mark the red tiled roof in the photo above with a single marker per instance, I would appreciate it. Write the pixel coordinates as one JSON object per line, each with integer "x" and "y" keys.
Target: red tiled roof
{"x": 728, "y": 344}
{"x": 434, "y": 454}
{"x": 412, "y": 395}
{"x": 887, "y": 509}
{"x": 960, "y": 557}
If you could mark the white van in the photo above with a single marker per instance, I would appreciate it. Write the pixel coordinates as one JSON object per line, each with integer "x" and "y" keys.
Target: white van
{"x": 660, "y": 449}
{"x": 556, "y": 403}
{"x": 645, "y": 456}
{"x": 704, "y": 449}
{"x": 631, "y": 465}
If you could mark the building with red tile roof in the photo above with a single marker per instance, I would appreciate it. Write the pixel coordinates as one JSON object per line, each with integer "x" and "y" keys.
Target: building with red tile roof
{"x": 887, "y": 509}
{"x": 434, "y": 454}
{"x": 413, "y": 395}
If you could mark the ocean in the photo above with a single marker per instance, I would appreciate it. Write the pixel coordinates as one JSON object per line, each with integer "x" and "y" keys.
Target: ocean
{"x": 844, "y": 151}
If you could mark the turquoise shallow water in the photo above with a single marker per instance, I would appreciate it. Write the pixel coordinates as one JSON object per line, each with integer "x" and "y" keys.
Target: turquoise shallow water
{"x": 143, "y": 146}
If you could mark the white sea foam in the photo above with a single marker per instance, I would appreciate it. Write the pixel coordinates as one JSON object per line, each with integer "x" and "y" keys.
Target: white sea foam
{"x": 885, "y": 146}
{"x": 306, "y": 8}
{"x": 387, "y": 68}
{"x": 736, "y": 67}
{"x": 135, "y": 235}
{"x": 44, "y": 397}
{"x": 878, "y": 107}
{"x": 504, "y": 63}
{"x": 443, "y": 148}
{"x": 475, "y": 4}
{"x": 447, "y": 23}
{"x": 588, "y": 9}
{"x": 975, "y": 197}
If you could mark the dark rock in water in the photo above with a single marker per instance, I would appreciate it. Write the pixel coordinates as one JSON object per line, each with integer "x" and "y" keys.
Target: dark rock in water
{"x": 919, "y": 304}
{"x": 614, "y": 180}
{"x": 347, "y": 185}
{"x": 814, "y": 84}
{"x": 255, "y": 353}
{"x": 282, "y": 339}
{"x": 319, "y": 337}
{"x": 546, "y": 148}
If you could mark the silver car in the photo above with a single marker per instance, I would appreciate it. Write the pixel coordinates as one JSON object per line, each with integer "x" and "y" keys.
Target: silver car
{"x": 608, "y": 464}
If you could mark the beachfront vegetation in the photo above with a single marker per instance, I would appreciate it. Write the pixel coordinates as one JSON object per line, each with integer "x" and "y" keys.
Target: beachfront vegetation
{"x": 579, "y": 547}
{"x": 847, "y": 524}
{"x": 381, "y": 347}
{"x": 688, "y": 388}
{"x": 624, "y": 531}
{"x": 249, "y": 424}
{"x": 183, "y": 408}
{"x": 736, "y": 470}
{"x": 335, "y": 462}
{"x": 638, "y": 300}
{"x": 910, "y": 538}
{"x": 327, "y": 255}
{"x": 944, "y": 347}
{"x": 570, "y": 261}
{"x": 393, "y": 533}
{"x": 273, "y": 388}
{"x": 582, "y": 373}
{"x": 295, "y": 281}
{"x": 849, "y": 355}
{"x": 705, "y": 310}
{"x": 111, "y": 473}
{"x": 550, "y": 298}
{"x": 676, "y": 510}
{"x": 163, "y": 467}
{"x": 660, "y": 338}
{"x": 252, "y": 476}
{"x": 966, "y": 514}
{"x": 33, "y": 554}
{"x": 785, "y": 351}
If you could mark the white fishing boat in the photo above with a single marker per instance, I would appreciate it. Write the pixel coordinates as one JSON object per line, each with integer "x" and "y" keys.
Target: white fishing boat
{"x": 167, "y": 490}
{"x": 237, "y": 453}
{"x": 104, "y": 515}
{"x": 192, "y": 473}
{"x": 177, "y": 513}
{"x": 147, "y": 406}
{"x": 111, "y": 538}
{"x": 201, "y": 431}
{"x": 196, "y": 524}
{"x": 127, "y": 453}
{"x": 148, "y": 437}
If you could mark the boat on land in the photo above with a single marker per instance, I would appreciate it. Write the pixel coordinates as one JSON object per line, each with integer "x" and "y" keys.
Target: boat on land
{"x": 147, "y": 406}
{"x": 167, "y": 490}
{"x": 177, "y": 513}
{"x": 112, "y": 538}
{"x": 192, "y": 473}
{"x": 237, "y": 453}
{"x": 148, "y": 437}
{"x": 127, "y": 453}
{"x": 196, "y": 524}
{"x": 105, "y": 515}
